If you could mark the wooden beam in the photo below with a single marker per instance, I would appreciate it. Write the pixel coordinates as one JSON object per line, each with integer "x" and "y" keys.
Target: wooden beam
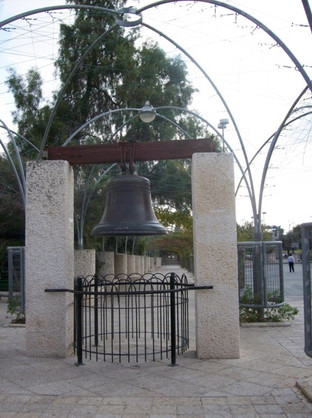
{"x": 142, "y": 151}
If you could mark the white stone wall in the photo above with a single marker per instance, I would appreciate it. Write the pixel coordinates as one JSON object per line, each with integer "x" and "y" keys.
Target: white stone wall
{"x": 106, "y": 262}
{"x": 215, "y": 255}
{"x": 49, "y": 259}
{"x": 84, "y": 263}
{"x": 120, "y": 263}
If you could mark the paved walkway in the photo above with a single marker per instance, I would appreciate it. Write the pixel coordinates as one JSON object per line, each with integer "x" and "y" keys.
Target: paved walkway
{"x": 262, "y": 383}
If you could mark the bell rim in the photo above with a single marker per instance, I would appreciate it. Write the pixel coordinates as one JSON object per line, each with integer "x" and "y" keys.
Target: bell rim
{"x": 124, "y": 228}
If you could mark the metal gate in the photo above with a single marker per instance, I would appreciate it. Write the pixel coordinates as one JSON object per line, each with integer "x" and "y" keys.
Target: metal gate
{"x": 260, "y": 274}
{"x": 131, "y": 317}
{"x": 16, "y": 269}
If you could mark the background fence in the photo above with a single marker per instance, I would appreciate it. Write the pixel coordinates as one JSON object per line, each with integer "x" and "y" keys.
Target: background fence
{"x": 260, "y": 274}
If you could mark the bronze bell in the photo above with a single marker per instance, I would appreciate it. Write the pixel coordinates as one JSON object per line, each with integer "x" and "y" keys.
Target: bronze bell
{"x": 128, "y": 209}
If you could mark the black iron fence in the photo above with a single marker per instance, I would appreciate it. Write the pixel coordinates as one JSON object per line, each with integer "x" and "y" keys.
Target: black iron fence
{"x": 131, "y": 317}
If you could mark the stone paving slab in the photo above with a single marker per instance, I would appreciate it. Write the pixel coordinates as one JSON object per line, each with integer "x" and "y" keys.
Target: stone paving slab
{"x": 271, "y": 379}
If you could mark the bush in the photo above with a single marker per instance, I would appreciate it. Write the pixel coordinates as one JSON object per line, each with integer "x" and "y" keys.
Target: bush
{"x": 15, "y": 311}
{"x": 281, "y": 313}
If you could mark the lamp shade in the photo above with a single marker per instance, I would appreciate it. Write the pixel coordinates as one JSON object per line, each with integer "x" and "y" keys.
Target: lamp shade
{"x": 147, "y": 113}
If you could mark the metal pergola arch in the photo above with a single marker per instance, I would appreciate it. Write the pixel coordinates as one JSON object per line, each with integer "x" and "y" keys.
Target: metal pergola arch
{"x": 119, "y": 14}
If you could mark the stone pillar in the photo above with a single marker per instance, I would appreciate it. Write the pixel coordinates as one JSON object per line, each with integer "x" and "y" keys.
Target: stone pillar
{"x": 49, "y": 259}
{"x": 146, "y": 264}
{"x": 142, "y": 261}
{"x": 120, "y": 263}
{"x": 215, "y": 255}
{"x": 84, "y": 263}
{"x": 152, "y": 267}
{"x": 138, "y": 264}
{"x": 158, "y": 262}
{"x": 131, "y": 264}
{"x": 106, "y": 263}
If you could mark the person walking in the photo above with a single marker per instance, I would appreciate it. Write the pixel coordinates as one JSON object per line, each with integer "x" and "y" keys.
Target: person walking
{"x": 291, "y": 262}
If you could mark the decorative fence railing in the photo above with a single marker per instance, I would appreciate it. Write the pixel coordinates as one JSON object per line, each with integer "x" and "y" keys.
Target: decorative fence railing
{"x": 132, "y": 317}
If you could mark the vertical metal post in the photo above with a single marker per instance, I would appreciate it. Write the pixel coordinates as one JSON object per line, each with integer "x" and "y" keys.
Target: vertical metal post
{"x": 96, "y": 306}
{"x": 173, "y": 320}
{"x": 78, "y": 315}
{"x": 22, "y": 278}
{"x": 306, "y": 230}
{"x": 281, "y": 272}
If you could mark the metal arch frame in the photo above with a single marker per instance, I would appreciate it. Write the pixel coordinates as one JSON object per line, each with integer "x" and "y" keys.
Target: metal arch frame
{"x": 80, "y": 223}
{"x": 86, "y": 199}
{"x": 249, "y": 17}
{"x": 218, "y": 134}
{"x": 271, "y": 149}
{"x": 60, "y": 95}
{"x": 80, "y": 219}
{"x": 60, "y": 7}
{"x": 299, "y": 67}
{"x": 20, "y": 178}
{"x": 251, "y": 185}
{"x": 268, "y": 140}
{"x": 119, "y": 22}
{"x": 138, "y": 12}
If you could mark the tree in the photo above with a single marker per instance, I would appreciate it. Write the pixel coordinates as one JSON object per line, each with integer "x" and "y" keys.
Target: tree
{"x": 246, "y": 232}
{"x": 117, "y": 72}
{"x": 12, "y": 230}
{"x": 292, "y": 238}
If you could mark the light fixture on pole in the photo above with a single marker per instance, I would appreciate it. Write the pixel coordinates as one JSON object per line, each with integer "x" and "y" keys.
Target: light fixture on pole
{"x": 222, "y": 125}
{"x": 147, "y": 113}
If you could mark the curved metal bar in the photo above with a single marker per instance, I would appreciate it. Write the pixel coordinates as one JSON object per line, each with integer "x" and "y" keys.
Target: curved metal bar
{"x": 60, "y": 7}
{"x": 82, "y": 213}
{"x": 129, "y": 23}
{"x": 20, "y": 185}
{"x": 122, "y": 126}
{"x": 308, "y": 13}
{"x": 268, "y": 140}
{"x": 23, "y": 138}
{"x": 86, "y": 199}
{"x": 95, "y": 118}
{"x": 85, "y": 204}
{"x": 251, "y": 186}
{"x": 252, "y": 198}
{"x": 77, "y": 64}
{"x": 174, "y": 124}
{"x": 270, "y": 152}
{"x": 257, "y": 22}
{"x": 20, "y": 164}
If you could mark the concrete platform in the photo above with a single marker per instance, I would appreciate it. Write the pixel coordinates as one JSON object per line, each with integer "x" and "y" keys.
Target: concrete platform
{"x": 271, "y": 379}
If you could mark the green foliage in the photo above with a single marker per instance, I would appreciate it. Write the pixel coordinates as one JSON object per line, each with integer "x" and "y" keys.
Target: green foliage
{"x": 281, "y": 313}
{"x": 117, "y": 72}
{"x": 15, "y": 311}
{"x": 255, "y": 313}
{"x": 294, "y": 235}
{"x": 180, "y": 243}
{"x": 11, "y": 208}
{"x": 170, "y": 184}
{"x": 246, "y": 232}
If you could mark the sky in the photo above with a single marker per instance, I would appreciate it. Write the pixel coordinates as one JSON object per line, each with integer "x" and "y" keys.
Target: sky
{"x": 256, "y": 79}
